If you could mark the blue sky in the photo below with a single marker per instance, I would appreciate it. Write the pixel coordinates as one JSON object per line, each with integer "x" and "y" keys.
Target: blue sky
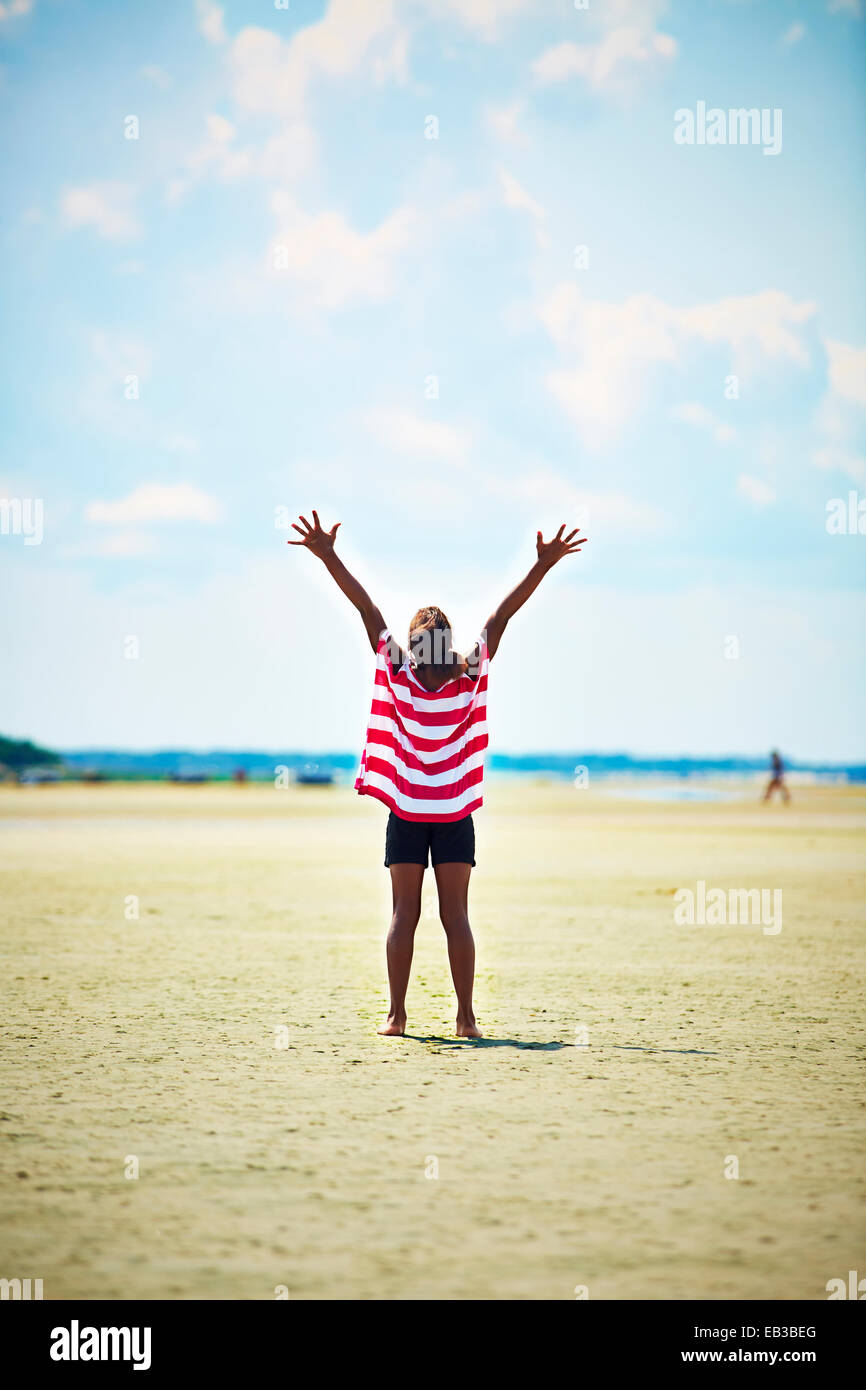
{"x": 284, "y": 261}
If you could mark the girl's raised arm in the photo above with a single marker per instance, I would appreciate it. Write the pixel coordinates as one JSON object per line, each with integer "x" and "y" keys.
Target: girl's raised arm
{"x": 321, "y": 543}
{"x": 549, "y": 553}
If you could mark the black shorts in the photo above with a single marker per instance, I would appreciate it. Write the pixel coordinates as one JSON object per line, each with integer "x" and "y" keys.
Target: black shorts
{"x": 449, "y": 842}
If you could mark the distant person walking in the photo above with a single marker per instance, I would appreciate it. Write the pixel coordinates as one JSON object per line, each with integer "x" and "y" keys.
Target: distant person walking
{"x": 424, "y": 758}
{"x": 777, "y": 778}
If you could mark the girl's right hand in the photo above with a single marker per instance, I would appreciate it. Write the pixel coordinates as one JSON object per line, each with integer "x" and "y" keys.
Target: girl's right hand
{"x": 551, "y": 551}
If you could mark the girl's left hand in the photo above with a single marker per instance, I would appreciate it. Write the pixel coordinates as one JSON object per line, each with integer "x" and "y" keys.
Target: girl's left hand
{"x": 314, "y": 537}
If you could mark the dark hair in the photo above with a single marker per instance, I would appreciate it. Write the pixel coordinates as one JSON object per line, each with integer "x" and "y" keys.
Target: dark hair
{"x": 430, "y": 638}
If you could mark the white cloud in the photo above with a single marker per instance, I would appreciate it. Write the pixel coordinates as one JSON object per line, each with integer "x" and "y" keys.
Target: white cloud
{"x": 219, "y": 129}
{"x": 794, "y": 34}
{"x": 484, "y": 16}
{"x": 692, "y": 413}
{"x": 767, "y": 324}
{"x": 612, "y": 350}
{"x": 287, "y": 155}
{"x": 273, "y": 75}
{"x": 181, "y": 444}
{"x": 263, "y": 76}
{"x": 283, "y": 158}
{"x": 504, "y": 121}
{"x": 852, "y": 7}
{"x": 412, "y": 442}
{"x": 156, "y": 502}
{"x": 515, "y": 196}
{"x": 13, "y": 8}
{"x": 615, "y": 346}
{"x": 603, "y": 65}
{"x": 833, "y": 459}
{"x": 622, "y": 43}
{"x": 755, "y": 490}
{"x": 210, "y": 21}
{"x": 393, "y": 65}
{"x": 329, "y": 262}
{"x": 107, "y": 207}
{"x": 846, "y": 368}
{"x": 416, "y": 435}
{"x": 839, "y": 418}
{"x": 550, "y": 493}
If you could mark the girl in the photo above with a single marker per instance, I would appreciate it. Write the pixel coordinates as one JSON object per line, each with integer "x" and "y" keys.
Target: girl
{"x": 424, "y": 758}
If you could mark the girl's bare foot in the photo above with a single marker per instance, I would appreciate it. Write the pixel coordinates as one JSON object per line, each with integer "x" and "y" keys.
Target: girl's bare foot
{"x": 468, "y": 1029}
{"x": 394, "y": 1026}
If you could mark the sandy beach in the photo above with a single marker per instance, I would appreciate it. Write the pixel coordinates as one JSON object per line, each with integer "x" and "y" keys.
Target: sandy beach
{"x": 192, "y": 982}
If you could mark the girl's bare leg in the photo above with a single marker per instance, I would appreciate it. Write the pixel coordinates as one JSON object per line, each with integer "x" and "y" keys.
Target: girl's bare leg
{"x": 406, "y": 880}
{"x": 452, "y": 883}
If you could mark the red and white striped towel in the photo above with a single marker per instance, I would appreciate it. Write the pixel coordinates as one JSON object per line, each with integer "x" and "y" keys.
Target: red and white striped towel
{"x": 424, "y": 755}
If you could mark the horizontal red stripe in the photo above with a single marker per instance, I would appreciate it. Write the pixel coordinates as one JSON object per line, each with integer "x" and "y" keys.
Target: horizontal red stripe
{"x": 430, "y": 717}
{"x": 383, "y": 738}
{"x": 387, "y": 710}
{"x": 410, "y": 815}
{"x": 419, "y": 790}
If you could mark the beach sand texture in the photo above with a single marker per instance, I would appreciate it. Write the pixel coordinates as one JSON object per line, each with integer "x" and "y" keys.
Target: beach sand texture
{"x": 225, "y": 1039}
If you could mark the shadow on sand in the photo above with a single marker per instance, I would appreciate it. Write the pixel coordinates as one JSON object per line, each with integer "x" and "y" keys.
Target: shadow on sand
{"x": 680, "y": 1051}
{"x": 487, "y": 1042}
{"x": 549, "y": 1046}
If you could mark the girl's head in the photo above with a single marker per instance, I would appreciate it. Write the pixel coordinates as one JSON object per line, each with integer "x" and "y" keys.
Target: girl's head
{"x": 430, "y": 639}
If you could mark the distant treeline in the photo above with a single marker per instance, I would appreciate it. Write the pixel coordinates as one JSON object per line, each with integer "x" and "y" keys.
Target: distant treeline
{"x": 16, "y": 754}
